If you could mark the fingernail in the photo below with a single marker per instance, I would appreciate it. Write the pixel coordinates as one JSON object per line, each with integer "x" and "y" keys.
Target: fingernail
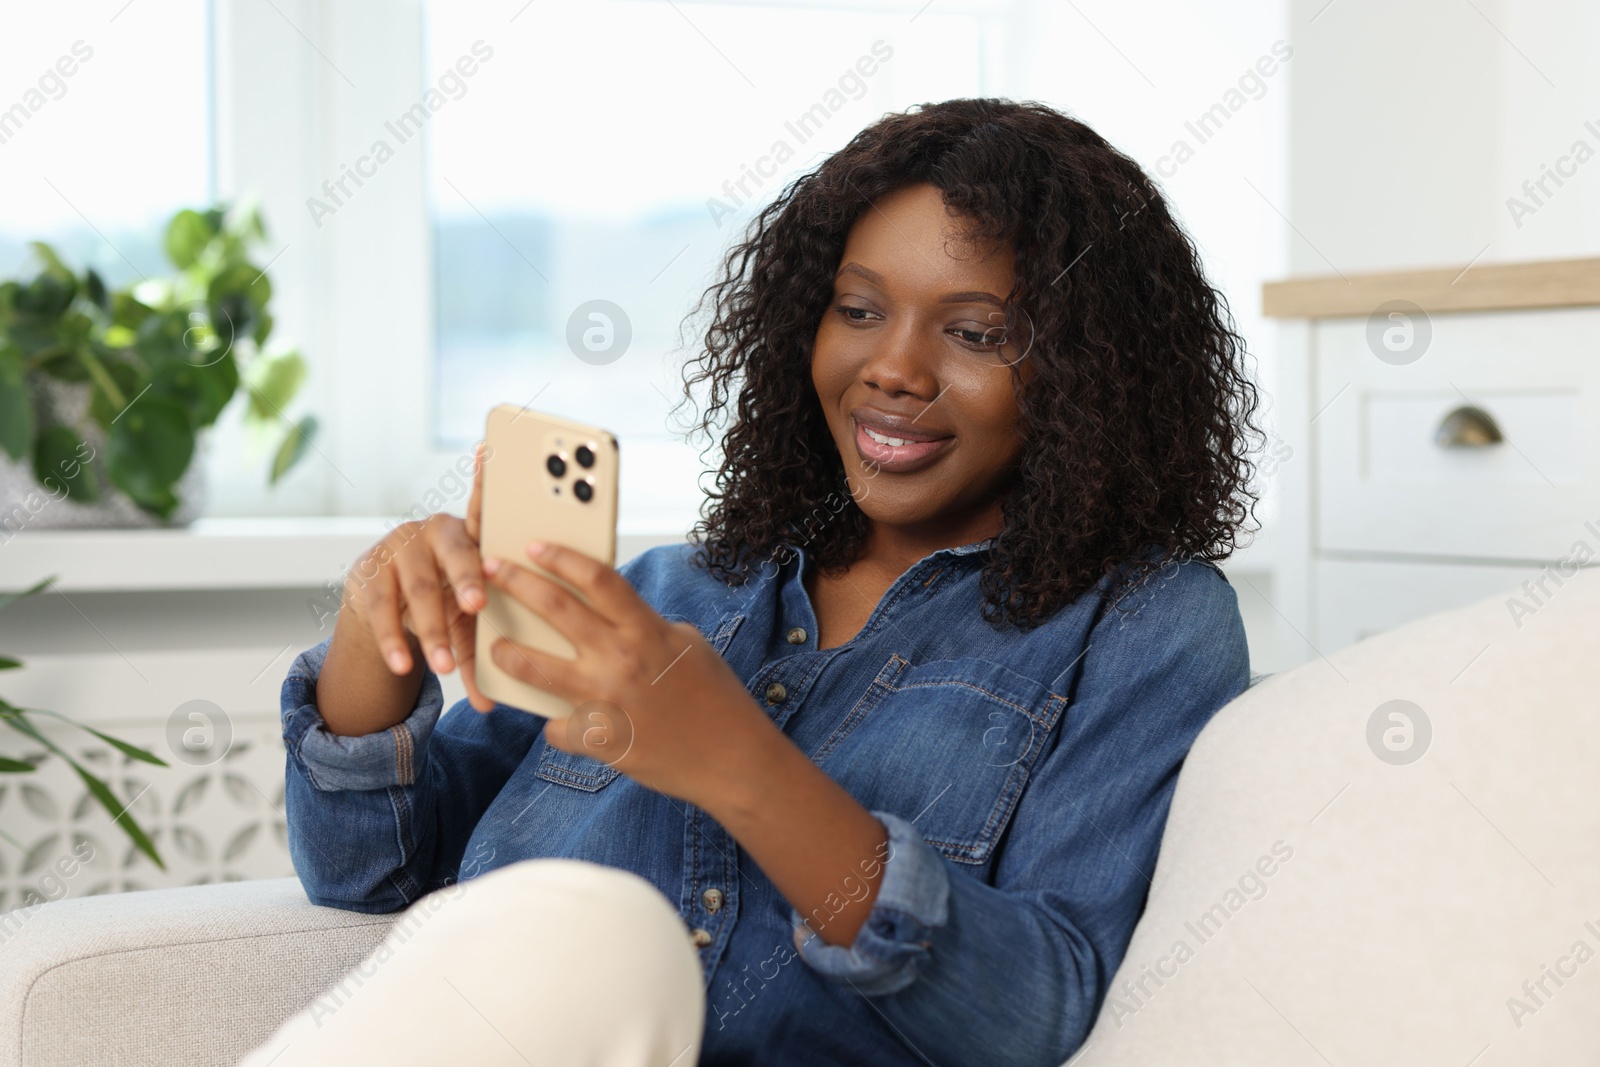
{"x": 471, "y": 597}
{"x": 491, "y": 565}
{"x": 535, "y": 547}
{"x": 441, "y": 659}
{"x": 397, "y": 660}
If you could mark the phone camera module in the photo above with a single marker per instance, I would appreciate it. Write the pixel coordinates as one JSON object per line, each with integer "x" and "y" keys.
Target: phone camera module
{"x": 555, "y": 465}
{"x": 583, "y": 489}
{"x": 584, "y": 456}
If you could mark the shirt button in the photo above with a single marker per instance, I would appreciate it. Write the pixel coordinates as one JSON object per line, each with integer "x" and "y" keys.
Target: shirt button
{"x": 701, "y": 937}
{"x": 776, "y": 693}
{"x": 797, "y": 636}
{"x": 712, "y": 899}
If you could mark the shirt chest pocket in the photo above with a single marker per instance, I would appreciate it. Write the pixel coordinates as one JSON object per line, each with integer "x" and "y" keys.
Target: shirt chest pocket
{"x": 948, "y": 744}
{"x": 579, "y": 772}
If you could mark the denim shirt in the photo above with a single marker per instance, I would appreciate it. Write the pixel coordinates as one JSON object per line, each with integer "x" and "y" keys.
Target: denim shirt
{"x": 1023, "y": 779}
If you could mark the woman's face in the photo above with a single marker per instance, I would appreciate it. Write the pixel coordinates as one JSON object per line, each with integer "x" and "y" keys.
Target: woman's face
{"x": 914, "y": 369}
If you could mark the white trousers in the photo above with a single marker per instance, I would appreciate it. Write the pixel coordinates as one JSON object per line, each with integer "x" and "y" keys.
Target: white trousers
{"x": 542, "y": 961}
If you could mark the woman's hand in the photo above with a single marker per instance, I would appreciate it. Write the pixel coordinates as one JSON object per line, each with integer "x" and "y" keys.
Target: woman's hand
{"x": 657, "y": 702}
{"x": 652, "y": 697}
{"x": 424, "y": 579}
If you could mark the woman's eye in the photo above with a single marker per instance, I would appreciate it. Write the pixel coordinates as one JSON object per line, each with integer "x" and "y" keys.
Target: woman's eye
{"x": 990, "y": 337}
{"x": 985, "y": 338}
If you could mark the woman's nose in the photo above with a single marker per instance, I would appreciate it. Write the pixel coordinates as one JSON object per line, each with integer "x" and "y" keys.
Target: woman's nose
{"x": 901, "y": 362}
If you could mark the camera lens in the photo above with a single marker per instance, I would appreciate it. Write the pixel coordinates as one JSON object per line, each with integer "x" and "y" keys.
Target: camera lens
{"x": 555, "y": 465}
{"x": 583, "y": 489}
{"x": 584, "y": 457}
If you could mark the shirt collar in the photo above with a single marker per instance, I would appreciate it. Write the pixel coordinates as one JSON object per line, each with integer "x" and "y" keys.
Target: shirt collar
{"x": 801, "y": 555}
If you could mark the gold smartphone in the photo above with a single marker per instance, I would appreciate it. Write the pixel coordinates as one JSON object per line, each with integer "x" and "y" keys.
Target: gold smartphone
{"x": 550, "y": 479}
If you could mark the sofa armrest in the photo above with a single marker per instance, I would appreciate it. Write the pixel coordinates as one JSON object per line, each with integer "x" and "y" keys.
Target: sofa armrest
{"x": 198, "y": 975}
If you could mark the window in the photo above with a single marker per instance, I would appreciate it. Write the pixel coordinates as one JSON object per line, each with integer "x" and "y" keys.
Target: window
{"x": 104, "y": 132}
{"x": 583, "y": 183}
{"x": 542, "y": 156}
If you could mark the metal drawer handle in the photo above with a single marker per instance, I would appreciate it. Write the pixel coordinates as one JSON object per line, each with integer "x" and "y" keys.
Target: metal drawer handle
{"x": 1468, "y": 427}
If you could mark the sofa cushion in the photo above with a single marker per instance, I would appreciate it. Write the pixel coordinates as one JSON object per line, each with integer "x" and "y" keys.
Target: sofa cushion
{"x": 1347, "y": 879}
{"x": 197, "y": 975}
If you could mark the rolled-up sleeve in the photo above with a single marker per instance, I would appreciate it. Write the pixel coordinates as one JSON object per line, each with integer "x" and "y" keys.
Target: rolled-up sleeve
{"x": 893, "y": 942}
{"x": 1012, "y": 968}
{"x": 368, "y": 761}
{"x": 377, "y": 820}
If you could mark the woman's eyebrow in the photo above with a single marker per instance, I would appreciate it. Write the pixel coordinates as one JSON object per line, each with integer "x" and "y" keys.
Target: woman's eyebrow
{"x": 971, "y": 296}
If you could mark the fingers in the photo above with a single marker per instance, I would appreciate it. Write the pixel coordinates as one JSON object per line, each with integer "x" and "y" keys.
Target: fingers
{"x": 457, "y": 554}
{"x": 539, "y": 669}
{"x": 614, "y": 599}
{"x": 418, "y": 582}
{"x": 570, "y": 616}
{"x": 598, "y": 729}
{"x": 475, "y": 501}
{"x": 463, "y": 640}
{"x": 424, "y": 591}
{"x": 372, "y": 587}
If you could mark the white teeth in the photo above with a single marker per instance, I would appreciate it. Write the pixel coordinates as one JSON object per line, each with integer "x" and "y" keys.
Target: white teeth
{"x": 894, "y": 442}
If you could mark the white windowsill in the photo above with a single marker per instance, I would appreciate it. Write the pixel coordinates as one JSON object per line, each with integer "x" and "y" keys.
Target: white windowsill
{"x": 217, "y": 553}
{"x": 263, "y": 553}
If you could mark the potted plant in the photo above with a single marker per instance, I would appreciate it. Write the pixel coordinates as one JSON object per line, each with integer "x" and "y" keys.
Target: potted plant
{"x": 104, "y": 393}
{"x": 17, "y": 718}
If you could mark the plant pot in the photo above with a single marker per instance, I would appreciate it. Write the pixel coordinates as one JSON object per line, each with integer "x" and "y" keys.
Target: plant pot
{"x": 25, "y": 504}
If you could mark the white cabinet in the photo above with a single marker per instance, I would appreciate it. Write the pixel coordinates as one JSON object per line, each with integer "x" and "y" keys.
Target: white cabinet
{"x": 1448, "y": 471}
{"x": 1388, "y": 481}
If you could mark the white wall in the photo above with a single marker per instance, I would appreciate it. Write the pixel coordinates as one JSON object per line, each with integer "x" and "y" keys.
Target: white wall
{"x": 1412, "y": 123}
{"x": 1138, "y": 73}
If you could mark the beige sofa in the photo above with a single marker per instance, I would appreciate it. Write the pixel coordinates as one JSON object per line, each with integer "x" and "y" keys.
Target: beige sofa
{"x": 1323, "y": 896}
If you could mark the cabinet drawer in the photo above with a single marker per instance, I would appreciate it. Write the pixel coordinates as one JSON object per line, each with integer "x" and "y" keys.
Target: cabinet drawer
{"x": 1386, "y": 485}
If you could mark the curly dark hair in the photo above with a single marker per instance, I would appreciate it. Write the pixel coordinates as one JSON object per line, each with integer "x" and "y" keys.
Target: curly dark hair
{"x": 1137, "y": 421}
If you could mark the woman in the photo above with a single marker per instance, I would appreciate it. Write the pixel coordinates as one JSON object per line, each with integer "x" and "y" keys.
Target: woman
{"x": 891, "y": 743}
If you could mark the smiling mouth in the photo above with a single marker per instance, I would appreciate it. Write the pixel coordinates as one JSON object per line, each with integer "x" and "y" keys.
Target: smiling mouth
{"x": 897, "y": 455}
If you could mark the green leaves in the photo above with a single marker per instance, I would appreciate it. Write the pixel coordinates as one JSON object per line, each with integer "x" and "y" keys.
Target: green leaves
{"x": 17, "y": 719}
{"x": 94, "y": 288}
{"x": 295, "y": 443}
{"x": 275, "y": 377}
{"x": 104, "y": 406}
{"x": 52, "y": 262}
{"x": 127, "y": 311}
{"x": 172, "y": 336}
{"x": 147, "y": 450}
{"x": 131, "y": 751}
{"x": 187, "y": 236}
{"x": 51, "y": 292}
{"x": 16, "y": 411}
{"x": 203, "y": 391}
{"x": 36, "y": 587}
{"x": 161, "y": 359}
{"x": 236, "y": 298}
{"x": 59, "y": 461}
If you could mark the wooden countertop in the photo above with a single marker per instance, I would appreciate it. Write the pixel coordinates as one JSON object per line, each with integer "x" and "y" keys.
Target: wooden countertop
{"x": 1481, "y": 287}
